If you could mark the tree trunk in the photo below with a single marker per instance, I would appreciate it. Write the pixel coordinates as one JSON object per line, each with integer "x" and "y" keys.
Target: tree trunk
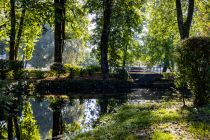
{"x": 165, "y": 68}
{"x": 103, "y": 103}
{"x": 10, "y": 127}
{"x": 17, "y": 128}
{"x": 105, "y": 37}
{"x": 59, "y": 29}
{"x": 20, "y": 30}
{"x": 184, "y": 27}
{"x": 12, "y": 31}
{"x": 57, "y": 124}
{"x": 125, "y": 56}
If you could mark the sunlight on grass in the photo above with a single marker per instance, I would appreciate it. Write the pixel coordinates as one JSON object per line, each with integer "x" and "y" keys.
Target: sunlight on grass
{"x": 200, "y": 130}
{"x": 158, "y": 135}
{"x": 159, "y": 121}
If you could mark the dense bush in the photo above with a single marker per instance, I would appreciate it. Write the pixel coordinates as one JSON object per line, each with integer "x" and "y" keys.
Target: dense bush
{"x": 12, "y": 67}
{"x": 169, "y": 76}
{"x": 4, "y": 66}
{"x": 122, "y": 74}
{"x": 15, "y": 65}
{"x": 58, "y": 68}
{"x": 193, "y": 61}
{"x": 36, "y": 73}
{"x": 92, "y": 69}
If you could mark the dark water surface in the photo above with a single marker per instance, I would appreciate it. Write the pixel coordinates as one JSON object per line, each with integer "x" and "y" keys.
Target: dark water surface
{"x": 78, "y": 114}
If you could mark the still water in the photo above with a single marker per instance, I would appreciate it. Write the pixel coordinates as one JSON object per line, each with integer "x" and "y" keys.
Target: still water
{"x": 76, "y": 115}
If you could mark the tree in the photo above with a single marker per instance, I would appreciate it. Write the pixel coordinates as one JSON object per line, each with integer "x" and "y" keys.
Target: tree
{"x": 107, "y": 13}
{"x": 125, "y": 23}
{"x": 160, "y": 34}
{"x": 12, "y": 30}
{"x": 184, "y": 26}
{"x": 26, "y": 19}
{"x": 59, "y": 6}
{"x": 57, "y": 104}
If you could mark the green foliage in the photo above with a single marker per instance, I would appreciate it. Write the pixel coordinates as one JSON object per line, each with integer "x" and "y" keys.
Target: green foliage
{"x": 72, "y": 70}
{"x": 158, "y": 121}
{"x": 16, "y": 68}
{"x": 5, "y": 99}
{"x": 36, "y": 73}
{"x": 58, "y": 68}
{"x": 95, "y": 68}
{"x": 4, "y": 66}
{"x": 200, "y": 129}
{"x": 158, "y": 135}
{"x": 126, "y": 23}
{"x": 92, "y": 69}
{"x": 11, "y": 69}
{"x": 73, "y": 127}
{"x": 128, "y": 120}
{"x": 193, "y": 57}
{"x": 29, "y": 128}
{"x": 170, "y": 75}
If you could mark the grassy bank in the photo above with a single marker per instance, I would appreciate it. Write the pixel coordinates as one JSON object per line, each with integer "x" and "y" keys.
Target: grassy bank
{"x": 159, "y": 121}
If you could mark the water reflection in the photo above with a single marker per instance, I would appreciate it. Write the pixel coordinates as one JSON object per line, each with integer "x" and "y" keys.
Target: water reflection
{"x": 76, "y": 116}
{"x": 61, "y": 117}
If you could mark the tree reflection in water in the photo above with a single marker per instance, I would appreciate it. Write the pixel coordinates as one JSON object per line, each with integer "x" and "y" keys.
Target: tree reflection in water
{"x": 57, "y": 117}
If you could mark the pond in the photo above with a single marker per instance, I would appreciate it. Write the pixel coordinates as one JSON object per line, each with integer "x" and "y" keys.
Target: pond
{"x": 64, "y": 116}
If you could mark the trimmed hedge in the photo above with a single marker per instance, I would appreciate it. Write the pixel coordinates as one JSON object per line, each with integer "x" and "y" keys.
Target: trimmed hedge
{"x": 193, "y": 61}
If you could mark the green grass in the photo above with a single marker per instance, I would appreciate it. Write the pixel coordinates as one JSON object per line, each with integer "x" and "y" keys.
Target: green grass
{"x": 158, "y": 135}
{"x": 151, "y": 121}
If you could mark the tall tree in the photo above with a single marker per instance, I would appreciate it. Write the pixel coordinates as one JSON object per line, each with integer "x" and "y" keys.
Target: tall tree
{"x": 125, "y": 24}
{"x": 59, "y": 29}
{"x": 12, "y": 30}
{"x": 161, "y": 35}
{"x": 107, "y": 13}
{"x": 20, "y": 30}
{"x": 184, "y": 26}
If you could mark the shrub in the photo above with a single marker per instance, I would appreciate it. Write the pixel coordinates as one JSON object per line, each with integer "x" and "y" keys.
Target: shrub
{"x": 58, "y": 68}
{"x": 92, "y": 69}
{"x": 169, "y": 76}
{"x": 95, "y": 68}
{"x": 15, "y": 65}
{"x": 4, "y": 66}
{"x": 122, "y": 74}
{"x": 36, "y": 73}
{"x": 193, "y": 61}
{"x": 73, "y": 70}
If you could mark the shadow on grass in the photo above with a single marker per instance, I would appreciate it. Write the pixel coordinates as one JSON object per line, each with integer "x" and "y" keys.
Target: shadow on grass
{"x": 199, "y": 120}
{"x": 131, "y": 122}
